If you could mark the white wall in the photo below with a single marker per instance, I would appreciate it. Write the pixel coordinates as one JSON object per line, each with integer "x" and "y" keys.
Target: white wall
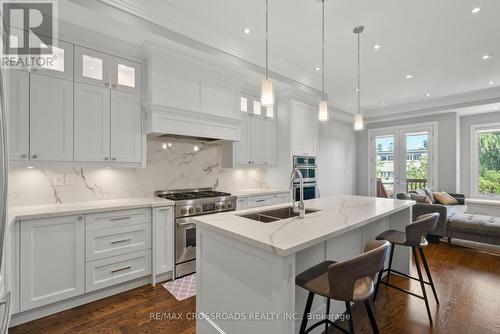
{"x": 337, "y": 158}
{"x": 179, "y": 167}
{"x": 448, "y": 157}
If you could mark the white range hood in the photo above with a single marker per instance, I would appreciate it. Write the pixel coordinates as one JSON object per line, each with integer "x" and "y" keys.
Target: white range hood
{"x": 188, "y": 99}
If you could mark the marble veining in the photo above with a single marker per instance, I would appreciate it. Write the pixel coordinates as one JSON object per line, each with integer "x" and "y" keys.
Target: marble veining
{"x": 335, "y": 216}
{"x": 172, "y": 168}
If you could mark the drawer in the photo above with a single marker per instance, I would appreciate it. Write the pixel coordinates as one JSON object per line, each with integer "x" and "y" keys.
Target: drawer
{"x": 112, "y": 219}
{"x": 281, "y": 198}
{"x": 101, "y": 244}
{"x": 117, "y": 269}
{"x": 256, "y": 201}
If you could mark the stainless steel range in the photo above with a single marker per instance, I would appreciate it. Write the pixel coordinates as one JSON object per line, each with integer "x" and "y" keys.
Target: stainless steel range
{"x": 189, "y": 203}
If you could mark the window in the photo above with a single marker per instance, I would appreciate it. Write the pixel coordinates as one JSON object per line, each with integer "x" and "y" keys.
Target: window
{"x": 485, "y": 162}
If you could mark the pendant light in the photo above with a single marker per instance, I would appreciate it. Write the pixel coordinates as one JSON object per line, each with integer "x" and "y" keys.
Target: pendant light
{"x": 358, "y": 118}
{"x": 323, "y": 104}
{"x": 267, "y": 89}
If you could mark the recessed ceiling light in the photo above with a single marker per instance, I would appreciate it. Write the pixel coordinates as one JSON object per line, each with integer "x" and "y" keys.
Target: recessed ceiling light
{"x": 491, "y": 82}
{"x": 376, "y": 47}
{"x": 30, "y": 167}
{"x": 409, "y": 76}
{"x": 476, "y": 10}
{"x": 317, "y": 68}
{"x": 356, "y": 89}
{"x": 428, "y": 94}
{"x": 384, "y": 103}
{"x": 496, "y": 107}
{"x": 246, "y": 31}
{"x": 486, "y": 56}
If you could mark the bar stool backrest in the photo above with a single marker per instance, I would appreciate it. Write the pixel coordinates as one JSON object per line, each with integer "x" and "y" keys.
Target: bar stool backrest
{"x": 342, "y": 276}
{"x": 416, "y": 231}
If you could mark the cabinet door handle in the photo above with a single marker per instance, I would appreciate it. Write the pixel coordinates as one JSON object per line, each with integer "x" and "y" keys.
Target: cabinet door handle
{"x": 79, "y": 218}
{"x": 106, "y": 84}
{"x": 121, "y": 269}
{"x": 24, "y": 156}
{"x": 106, "y": 158}
{"x": 260, "y": 200}
{"x": 114, "y": 159}
{"x": 34, "y": 156}
{"x": 119, "y": 218}
{"x": 113, "y": 85}
{"x": 120, "y": 241}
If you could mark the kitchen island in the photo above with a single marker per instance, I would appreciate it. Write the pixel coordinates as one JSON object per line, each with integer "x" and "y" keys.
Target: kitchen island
{"x": 246, "y": 268}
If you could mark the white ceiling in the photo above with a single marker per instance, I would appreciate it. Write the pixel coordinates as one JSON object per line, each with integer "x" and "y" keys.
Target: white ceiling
{"x": 439, "y": 42}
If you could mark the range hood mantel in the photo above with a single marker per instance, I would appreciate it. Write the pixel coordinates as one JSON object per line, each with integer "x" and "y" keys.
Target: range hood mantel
{"x": 162, "y": 120}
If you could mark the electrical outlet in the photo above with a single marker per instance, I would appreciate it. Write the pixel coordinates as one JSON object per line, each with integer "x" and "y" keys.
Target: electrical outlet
{"x": 69, "y": 178}
{"x": 58, "y": 180}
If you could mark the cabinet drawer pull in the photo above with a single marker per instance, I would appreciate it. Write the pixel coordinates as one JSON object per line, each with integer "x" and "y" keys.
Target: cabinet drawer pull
{"x": 114, "y": 159}
{"x": 119, "y": 218}
{"x": 106, "y": 84}
{"x": 121, "y": 269}
{"x": 34, "y": 156}
{"x": 260, "y": 200}
{"x": 24, "y": 156}
{"x": 120, "y": 241}
{"x": 113, "y": 85}
{"x": 106, "y": 158}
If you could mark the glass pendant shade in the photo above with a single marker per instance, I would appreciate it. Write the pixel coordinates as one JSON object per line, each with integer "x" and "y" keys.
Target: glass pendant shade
{"x": 267, "y": 93}
{"x": 358, "y": 122}
{"x": 323, "y": 111}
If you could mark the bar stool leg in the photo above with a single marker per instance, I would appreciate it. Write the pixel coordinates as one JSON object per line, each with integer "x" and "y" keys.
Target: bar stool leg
{"x": 349, "y": 311}
{"x": 380, "y": 273}
{"x": 303, "y": 324}
{"x": 371, "y": 316}
{"x": 422, "y": 285}
{"x": 327, "y": 314}
{"x": 428, "y": 272}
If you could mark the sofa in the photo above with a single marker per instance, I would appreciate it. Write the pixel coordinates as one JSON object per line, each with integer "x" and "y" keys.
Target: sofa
{"x": 454, "y": 222}
{"x": 446, "y": 212}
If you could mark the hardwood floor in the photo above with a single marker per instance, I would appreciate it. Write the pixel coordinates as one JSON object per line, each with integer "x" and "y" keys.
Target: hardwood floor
{"x": 467, "y": 282}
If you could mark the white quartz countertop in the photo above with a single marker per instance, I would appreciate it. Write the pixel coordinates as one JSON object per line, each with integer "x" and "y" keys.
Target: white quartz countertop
{"x": 337, "y": 215}
{"x": 75, "y": 208}
{"x": 256, "y": 191}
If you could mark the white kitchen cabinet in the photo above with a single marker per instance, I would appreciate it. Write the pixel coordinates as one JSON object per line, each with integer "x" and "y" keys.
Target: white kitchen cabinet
{"x": 126, "y": 127}
{"x": 218, "y": 98}
{"x": 258, "y": 141}
{"x": 51, "y": 118}
{"x": 92, "y": 123}
{"x": 257, "y": 146}
{"x": 242, "y": 148}
{"x": 125, "y": 75}
{"x": 257, "y": 200}
{"x": 164, "y": 239}
{"x": 92, "y": 67}
{"x": 52, "y": 260}
{"x": 241, "y": 203}
{"x": 18, "y": 109}
{"x": 303, "y": 129}
{"x": 60, "y": 64}
{"x": 271, "y": 142}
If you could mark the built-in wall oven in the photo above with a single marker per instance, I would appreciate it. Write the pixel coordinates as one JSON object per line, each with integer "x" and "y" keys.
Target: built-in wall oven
{"x": 307, "y": 166}
{"x": 190, "y": 203}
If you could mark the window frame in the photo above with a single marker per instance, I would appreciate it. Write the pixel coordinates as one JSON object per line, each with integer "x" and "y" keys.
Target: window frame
{"x": 475, "y": 130}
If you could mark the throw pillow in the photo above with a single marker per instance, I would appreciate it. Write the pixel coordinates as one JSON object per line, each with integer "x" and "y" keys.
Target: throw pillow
{"x": 429, "y": 194}
{"x": 445, "y": 198}
{"x": 420, "y": 198}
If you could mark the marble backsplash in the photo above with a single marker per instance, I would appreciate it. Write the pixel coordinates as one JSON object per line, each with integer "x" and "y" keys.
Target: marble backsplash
{"x": 172, "y": 168}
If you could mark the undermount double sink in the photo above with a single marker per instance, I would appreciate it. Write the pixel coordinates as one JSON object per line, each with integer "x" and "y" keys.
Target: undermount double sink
{"x": 268, "y": 216}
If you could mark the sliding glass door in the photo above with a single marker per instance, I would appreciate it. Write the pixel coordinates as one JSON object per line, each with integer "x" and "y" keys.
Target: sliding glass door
{"x": 401, "y": 160}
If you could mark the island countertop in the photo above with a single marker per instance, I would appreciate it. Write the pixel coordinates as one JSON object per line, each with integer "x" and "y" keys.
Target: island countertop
{"x": 336, "y": 215}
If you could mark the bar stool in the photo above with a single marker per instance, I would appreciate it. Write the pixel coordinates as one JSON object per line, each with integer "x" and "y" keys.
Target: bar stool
{"x": 348, "y": 281}
{"x": 414, "y": 237}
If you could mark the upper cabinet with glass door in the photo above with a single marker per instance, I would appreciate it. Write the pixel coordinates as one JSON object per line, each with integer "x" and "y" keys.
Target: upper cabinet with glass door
{"x": 59, "y": 64}
{"x": 101, "y": 69}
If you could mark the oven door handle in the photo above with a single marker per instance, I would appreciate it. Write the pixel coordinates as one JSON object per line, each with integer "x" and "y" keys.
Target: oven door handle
{"x": 185, "y": 222}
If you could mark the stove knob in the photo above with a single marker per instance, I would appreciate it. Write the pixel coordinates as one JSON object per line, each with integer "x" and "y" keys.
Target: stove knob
{"x": 198, "y": 209}
{"x": 183, "y": 211}
{"x": 217, "y": 207}
{"x": 223, "y": 206}
{"x": 191, "y": 210}
{"x": 229, "y": 205}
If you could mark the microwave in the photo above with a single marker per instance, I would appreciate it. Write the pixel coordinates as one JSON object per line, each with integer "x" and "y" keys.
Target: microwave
{"x": 307, "y": 166}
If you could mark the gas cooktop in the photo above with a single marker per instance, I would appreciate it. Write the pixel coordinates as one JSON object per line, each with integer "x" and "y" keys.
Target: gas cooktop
{"x": 182, "y": 195}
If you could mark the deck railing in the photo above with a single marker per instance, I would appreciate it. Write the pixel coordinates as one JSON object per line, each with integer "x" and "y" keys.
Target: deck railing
{"x": 414, "y": 184}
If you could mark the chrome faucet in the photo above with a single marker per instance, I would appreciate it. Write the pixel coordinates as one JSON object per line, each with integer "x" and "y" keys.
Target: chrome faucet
{"x": 300, "y": 207}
